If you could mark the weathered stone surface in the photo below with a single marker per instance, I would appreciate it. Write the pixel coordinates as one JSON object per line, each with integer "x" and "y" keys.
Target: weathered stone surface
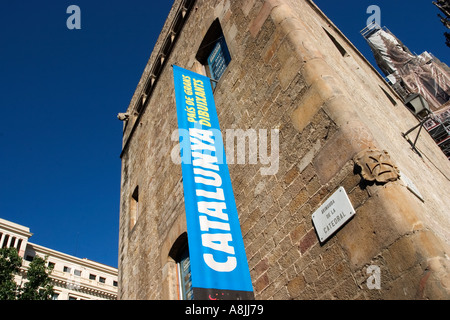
{"x": 286, "y": 74}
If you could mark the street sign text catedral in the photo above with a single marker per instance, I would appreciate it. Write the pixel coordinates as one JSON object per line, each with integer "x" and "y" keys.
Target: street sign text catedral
{"x": 332, "y": 214}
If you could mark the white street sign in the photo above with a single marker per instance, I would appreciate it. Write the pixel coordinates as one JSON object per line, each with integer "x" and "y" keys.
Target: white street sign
{"x": 332, "y": 214}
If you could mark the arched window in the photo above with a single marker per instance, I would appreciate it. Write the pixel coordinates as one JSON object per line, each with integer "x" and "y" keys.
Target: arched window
{"x": 177, "y": 274}
{"x": 184, "y": 273}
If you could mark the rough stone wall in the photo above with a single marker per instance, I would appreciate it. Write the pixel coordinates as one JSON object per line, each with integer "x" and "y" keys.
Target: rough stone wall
{"x": 328, "y": 104}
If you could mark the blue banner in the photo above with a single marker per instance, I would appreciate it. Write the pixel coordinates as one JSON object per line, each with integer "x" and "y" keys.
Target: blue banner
{"x": 219, "y": 267}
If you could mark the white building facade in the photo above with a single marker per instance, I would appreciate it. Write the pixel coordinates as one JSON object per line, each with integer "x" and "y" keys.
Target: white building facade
{"x": 72, "y": 278}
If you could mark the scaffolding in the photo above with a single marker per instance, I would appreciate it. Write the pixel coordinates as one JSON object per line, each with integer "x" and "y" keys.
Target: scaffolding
{"x": 412, "y": 75}
{"x": 438, "y": 126}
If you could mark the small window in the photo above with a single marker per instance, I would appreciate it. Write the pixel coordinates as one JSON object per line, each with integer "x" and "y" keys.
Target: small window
{"x": 5, "y": 241}
{"x": 29, "y": 258}
{"x": 92, "y": 277}
{"x": 51, "y": 265}
{"x": 19, "y": 244}
{"x": 134, "y": 207}
{"x": 389, "y": 96}
{"x": 77, "y": 273}
{"x": 13, "y": 242}
{"x": 115, "y": 284}
{"x": 67, "y": 269}
{"x": 336, "y": 43}
{"x": 102, "y": 280}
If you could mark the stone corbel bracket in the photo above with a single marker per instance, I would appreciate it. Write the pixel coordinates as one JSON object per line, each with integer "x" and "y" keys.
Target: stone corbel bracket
{"x": 376, "y": 166}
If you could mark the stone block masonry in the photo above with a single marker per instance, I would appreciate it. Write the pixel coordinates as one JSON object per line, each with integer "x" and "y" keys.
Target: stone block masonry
{"x": 287, "y": 74}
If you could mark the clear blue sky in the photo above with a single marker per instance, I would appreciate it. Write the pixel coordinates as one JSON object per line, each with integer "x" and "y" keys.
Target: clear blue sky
{"x": 61, "y": 89}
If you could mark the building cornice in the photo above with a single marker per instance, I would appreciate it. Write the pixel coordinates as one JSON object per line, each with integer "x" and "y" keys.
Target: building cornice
{"x": 44, "y": 251}
{"x": 15, "y": 228}
{"x": 155, "y": 66}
